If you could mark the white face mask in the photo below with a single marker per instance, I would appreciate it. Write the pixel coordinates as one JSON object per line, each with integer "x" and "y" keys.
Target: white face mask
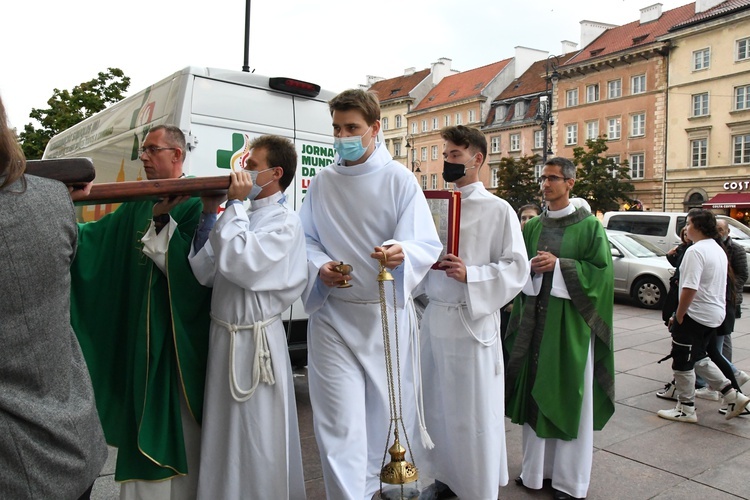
{"x": 256, "y": 189}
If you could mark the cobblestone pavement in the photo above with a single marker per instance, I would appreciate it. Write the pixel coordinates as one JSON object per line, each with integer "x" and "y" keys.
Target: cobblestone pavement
{"x": 637, "y": 455}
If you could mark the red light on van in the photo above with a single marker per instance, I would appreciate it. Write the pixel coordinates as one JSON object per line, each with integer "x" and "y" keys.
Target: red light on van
{"x": 294, "y": 86}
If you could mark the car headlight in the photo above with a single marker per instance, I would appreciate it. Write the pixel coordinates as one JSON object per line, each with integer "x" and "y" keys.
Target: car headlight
{"x": 671, "y": 271}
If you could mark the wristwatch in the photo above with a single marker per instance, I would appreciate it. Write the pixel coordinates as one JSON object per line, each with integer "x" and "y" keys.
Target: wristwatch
{"x": 162, "y": 219}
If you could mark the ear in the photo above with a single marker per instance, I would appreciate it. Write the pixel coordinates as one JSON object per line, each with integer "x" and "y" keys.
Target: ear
{"x": 375, "y": 128}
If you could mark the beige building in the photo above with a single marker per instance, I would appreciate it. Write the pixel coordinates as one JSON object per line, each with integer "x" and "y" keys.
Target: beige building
{"x": 397, "y": 98}
{"x": 708, "y": 134}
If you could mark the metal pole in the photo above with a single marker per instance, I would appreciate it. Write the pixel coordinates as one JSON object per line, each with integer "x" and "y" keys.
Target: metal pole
{"x": 246, "y": 66}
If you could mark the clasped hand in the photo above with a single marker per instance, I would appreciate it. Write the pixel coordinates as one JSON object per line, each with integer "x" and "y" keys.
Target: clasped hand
{"x": 544, "y": 262}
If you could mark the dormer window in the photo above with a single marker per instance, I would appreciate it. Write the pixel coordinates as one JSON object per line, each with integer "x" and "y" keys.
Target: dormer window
{"x": 520, "y": 110}
{"x": 596, "y": 52}
{"x": 500, "y": 112}
{"x": 639, "y": 39}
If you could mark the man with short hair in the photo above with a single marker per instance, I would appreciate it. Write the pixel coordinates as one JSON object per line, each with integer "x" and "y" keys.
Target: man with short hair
{"x": 142, "y": 321}
{"x": 560, "y": 376}
{"x": 362, "y": 210}
{"x": 462, "y": 361}
{"x": 255, "y": 261}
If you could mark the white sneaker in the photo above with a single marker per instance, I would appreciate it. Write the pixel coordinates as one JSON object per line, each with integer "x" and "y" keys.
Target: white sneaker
{"x": 745, "y": 412}
{"x": 736, "y": 403}
{"x": 680, "y": 413}
{"x": 742, "y": 378}
{"x": 668, "y": 392}
{"x": 707, "y": 393}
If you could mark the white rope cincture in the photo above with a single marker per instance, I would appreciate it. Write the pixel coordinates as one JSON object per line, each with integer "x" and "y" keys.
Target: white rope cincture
{"x": 262, "y": 366}
{"x": 417, "y": 369}
{"x": 487, "y": 343}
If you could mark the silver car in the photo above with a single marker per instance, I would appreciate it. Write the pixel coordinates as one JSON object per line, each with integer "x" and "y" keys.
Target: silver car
{"x": 641, "y": 269}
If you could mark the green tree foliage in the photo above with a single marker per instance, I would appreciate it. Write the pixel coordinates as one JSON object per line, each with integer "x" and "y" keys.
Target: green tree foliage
{"x": 516, "y": 182}
{"x": 595, "y": 181}
{"x": 66, "y": 108}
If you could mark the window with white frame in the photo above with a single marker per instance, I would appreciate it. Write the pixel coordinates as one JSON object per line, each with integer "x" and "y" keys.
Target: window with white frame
{"x": 435, "y": 124}
{"x": 571, "y": 98}
{"x": 699, "y": 152}
{"x": 571, "y": 134}
{"x": 520, "y": 110}
{"x": 743, "y": 49}
{"x": 637, "y": 166}
{"x": 424, "y": 125}
{"x": 414, "y": 127}
{"x": 592, "y": 130}
{"x": 424, "y": 182}
{"x": 592, "y": 93}
{"x": 538, "y": 139}
{"x": 472, "y": 116}
{"x": 638, "y": 124}
{"x": 500, "y": 112}
{"x": 384, "y": 123}
{"x": 495, "y": 144}
{"x": 638, "y": 84}
{"x": 493, "y": 177}
{"x": 701, "y": 59}
{"x": 433, "y": 178}
{"x": 742, "y": 97}
{"x": 741, "y": 149}
{"x": 616, "y": 161}
{"x": 424, "y": 154}
{"x": 614, "y": 89}
{"x": 398, "y": 121}
{"x": 458, "y": 118}
{"x": 434, "y": 150}
{"x": 538, "y": 171}
{"x": 700, "y": 104}
{"x": 396, "y": 149}
{"x": 614, "y": 128}
{"x": 515, "y": 142}
{"x": 447, "y": 120}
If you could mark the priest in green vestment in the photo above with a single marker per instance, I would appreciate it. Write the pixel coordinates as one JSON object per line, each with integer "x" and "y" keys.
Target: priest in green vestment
{"x": 142, "y": 321}
{"x": 560, "y": 374}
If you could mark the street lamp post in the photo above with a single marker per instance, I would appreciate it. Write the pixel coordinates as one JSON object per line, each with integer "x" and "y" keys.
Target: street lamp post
{"x": 414, "y": 162}
{"x": 544, "y": 113}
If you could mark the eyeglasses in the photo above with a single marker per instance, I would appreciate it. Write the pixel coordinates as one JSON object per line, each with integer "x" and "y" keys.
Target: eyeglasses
{"x": 551, "y": 178}
{"x": 151, "y": 150}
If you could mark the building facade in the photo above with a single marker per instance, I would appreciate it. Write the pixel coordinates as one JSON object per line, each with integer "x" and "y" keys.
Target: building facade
{"x": 708, "y": 161}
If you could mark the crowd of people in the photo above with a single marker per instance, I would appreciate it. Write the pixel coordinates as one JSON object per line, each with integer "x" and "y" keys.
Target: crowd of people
{"x": 183, "y": 367}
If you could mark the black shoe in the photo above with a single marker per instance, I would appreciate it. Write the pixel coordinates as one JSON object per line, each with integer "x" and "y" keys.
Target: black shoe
{"x": 519, "y": 482}
{"x": 561, "y": 495}
{"x": 444, "y": 492}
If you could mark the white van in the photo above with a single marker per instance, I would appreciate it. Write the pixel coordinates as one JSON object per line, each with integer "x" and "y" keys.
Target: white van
{"x": 220, "y": 112}
{"x": 663, "y": 228}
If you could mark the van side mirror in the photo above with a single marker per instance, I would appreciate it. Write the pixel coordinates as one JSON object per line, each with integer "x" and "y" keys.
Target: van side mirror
{"x": 616, "y": 253}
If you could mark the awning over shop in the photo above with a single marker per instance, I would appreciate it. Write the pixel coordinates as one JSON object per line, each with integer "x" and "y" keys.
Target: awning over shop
{"x": 729, "y": 200}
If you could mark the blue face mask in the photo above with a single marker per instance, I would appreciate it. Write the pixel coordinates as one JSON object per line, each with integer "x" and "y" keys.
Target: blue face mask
{"x": 351, "y": 148}
{"x": 256, "y": 189}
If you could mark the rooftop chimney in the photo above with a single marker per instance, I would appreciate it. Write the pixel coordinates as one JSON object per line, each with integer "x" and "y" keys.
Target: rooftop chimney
{"x": 650, "y": 13}
{"x": 568, "y": 46}
{"x": 590, "y": 31}
{"x": 704, "y": 5}
{"x": 410, "y": 71}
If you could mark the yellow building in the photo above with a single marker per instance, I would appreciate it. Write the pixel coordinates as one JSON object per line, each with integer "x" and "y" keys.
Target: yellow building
{"x": 708, "y": 107}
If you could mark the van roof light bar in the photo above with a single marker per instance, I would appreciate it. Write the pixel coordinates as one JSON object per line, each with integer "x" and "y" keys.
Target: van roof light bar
{"x": 294, "y": 86}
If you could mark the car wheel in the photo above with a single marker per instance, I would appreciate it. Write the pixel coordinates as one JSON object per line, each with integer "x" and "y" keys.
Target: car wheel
{"x": 649, "y": 292}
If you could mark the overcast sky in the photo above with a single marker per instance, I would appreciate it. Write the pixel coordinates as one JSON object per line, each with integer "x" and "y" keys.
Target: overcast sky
{"x": 50, "y": 44}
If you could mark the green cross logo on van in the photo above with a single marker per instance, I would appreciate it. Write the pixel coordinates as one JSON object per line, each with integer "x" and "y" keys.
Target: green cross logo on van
{"x": 235, "y": 158}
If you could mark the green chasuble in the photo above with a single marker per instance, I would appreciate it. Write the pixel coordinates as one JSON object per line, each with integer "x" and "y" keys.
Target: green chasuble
{"x": 549, "y": 338}
{"x": 144, "y": 336}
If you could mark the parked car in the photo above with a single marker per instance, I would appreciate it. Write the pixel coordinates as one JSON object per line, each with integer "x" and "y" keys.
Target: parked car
{"x": 663, "y": 228}
{"x": 641, "y": 269}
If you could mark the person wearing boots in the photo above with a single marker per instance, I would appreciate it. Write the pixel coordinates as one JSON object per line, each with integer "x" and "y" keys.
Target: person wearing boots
{"x": 701, "y": 309}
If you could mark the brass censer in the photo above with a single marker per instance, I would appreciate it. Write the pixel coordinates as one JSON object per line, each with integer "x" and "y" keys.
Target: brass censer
{"x": 398, "y": 472}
